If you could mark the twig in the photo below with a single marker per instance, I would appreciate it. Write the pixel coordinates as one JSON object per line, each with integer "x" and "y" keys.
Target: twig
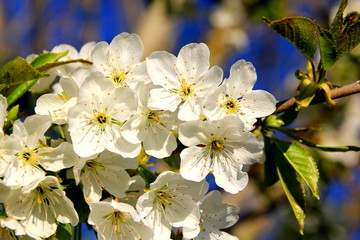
{"x": 335, "y": 93}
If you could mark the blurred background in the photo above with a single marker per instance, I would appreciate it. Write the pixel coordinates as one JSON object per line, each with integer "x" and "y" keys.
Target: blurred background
{"x": 233, "y": 30}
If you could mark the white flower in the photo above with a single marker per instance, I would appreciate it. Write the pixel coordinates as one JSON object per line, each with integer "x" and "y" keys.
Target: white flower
{"x": 39, "y": 208}
{"x": 171, "y": 202}
{"x": 152, "y": 127}
{"x": 105, "y": 171}
{"x": 236, "y": 97}
{"x": 115, "y": 220}
{"x": 185, "y": 81}
{"x": 120, "y": 61}
{"x": 215, "y": 215}
{"x": 28, "y": 153}
{"x": 57, "y": 105}
{"x": 95, "y": 121}
{"x": 221, "y": 147}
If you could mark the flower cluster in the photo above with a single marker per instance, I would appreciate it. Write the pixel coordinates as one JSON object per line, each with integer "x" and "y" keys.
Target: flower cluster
{"x": 114, "y": 114}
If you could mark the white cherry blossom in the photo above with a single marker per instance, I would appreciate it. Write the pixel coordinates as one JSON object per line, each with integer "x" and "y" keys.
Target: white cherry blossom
{"x": 39, "y": 208}
{"x": 104, "y": 171}
{"x": 28, "y": 153}
{"x": 184, "y": 81}
{"x": 118, "y": 221}
{"x": 219, "y": 147}
{"x": 95, "y": 122}
{"x": 170, "y": 202}
{"x": 120, "y": 61}
{"x": 154, "y": 128}
{"x": 235, "y": 97}
{"x": 57, "y": 105}
{"x": 214, "y": 215}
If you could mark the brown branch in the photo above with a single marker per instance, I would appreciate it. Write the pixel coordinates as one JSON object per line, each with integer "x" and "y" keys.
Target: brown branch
{"x": 335, "y": 93}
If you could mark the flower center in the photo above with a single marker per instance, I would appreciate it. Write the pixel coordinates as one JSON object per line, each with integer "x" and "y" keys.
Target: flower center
{"x": 186, "y": 90}
{"x": 117, "y": 219}
{"x": 94, "y": 165}
{"x": 152, "y": 117}
{"x": 101, "y": 119}
{"x": 41, "y": 195}
{"x": 119, "y": 78}
{"x": 28, "y": 156}
{"x": 164, "y": 196}
{"x": 215, "y": 145}
{"x": 230, "y": 105}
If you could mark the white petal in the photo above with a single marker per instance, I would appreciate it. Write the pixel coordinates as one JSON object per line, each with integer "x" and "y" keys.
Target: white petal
{"x": 126, "y": 50}
{"x": 134, "y": 129}
{"x": 160, "y": 143}
{"x": 100, "y": 59}
{"x": 138, "y": 73}
{"x": 194, "y": 132}
{"x": 36, "y": 126}
{"x": 91, "y": 186}
{"x": 209, "y": 81}
{"x": 85, "y": 51}
{"x": 258, "y": 103}
{"x": 191, "y": 109}
{"x": 193, "y": 60}
{"x": 212, "y": 109}
{"x": 218, "y": 214}
{"x": 51, "y": 105}
{"x": 161, "y": 99}
{"x": 158, "y": 223}
{"x": 231, "y": 178}
{"x": 55, "y": 159}
{"x": 242, "y": 78}
{"x": 121, "y": 103}
{"x": 183, "y": 212}
{"x": 125, "y": 148}
{"x": 194, "y": 166}
{"x": 69, "y": 86}
{"x": 162, "y": 70}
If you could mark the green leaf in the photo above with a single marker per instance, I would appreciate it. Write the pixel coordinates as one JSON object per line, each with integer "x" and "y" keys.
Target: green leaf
{"x": 302, "y": 162}
{"x": 270, "y": 173}
{"x": 337, "y": 24}
{"x": 48, "y": 57}
{"x": 350, "y": 36}
{"x": 19, "y": 91}
{"x": 288, "y": 132}
{"x": 293, "y": 188}
{"x": 328, "y": 50}
{"x": 300, "y": 31}
{"x": 17, "y": 71}
{"x": 63, "y": 232}
{"x": 11, "y": 117}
